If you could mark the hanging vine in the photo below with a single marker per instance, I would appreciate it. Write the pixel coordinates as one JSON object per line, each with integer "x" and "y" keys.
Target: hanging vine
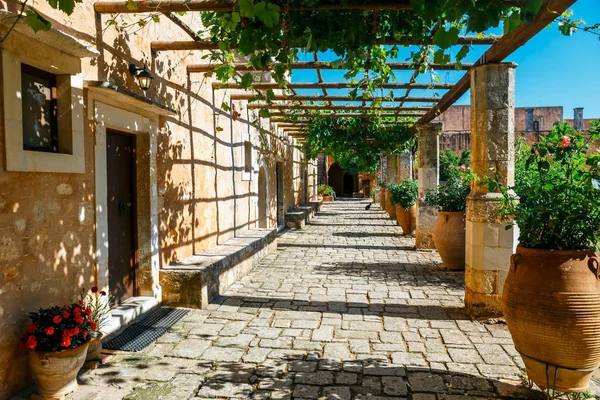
{"x": 356, "y": 144}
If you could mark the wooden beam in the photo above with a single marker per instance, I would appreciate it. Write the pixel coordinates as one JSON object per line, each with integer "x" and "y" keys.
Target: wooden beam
{"x": 203, "y": 45}
{"x": 258, "y": 106}
{"x": 550, "y": 10}
{"x": 305, "y": 117}
{"x": 338, "y": 98}
{"x": 334, "y": 85}
{"x": 203, "y": 68}
{"x": 145, "y": 6}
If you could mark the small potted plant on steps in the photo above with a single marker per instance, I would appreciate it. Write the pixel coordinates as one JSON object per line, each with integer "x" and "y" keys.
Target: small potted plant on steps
{"x": 450, "y": 198}
{"x": 99, "y": 302}
{"x": 58, "y": 339}
{"x": 404, "y": 197}
{"x": 551, "y": 297}
{"x": 327, "y": 193}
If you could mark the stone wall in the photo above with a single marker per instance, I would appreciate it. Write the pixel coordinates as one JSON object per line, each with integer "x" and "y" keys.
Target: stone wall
{"x": 48, "y": 245}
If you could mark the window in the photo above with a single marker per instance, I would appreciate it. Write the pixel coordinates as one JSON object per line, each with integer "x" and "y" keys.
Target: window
{"x": 39, "y": 103}
{"x": 247, "y": 156}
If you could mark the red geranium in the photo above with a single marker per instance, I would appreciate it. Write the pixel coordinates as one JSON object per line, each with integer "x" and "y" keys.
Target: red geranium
{"x": 77, "y": 311}
{"x": 31, "y": 343}
{"x": 66, "y": 315}
{"x": 93, "y": 326}
{"x": 57, "y": 319}
{"x": 49, "y": 331}
{"x": 88, "y": 311}
{"x": 31, "y": 328}
{"x": 66, "y": 342}
{"x": 84, "y": 333}
{"x": 95, "y": 289}
{"x": 103, "y": 293}
{"x": 79, "y": 319}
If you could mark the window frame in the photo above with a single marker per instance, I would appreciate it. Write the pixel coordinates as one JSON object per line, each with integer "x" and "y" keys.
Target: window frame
{"x": 247, "y": 162}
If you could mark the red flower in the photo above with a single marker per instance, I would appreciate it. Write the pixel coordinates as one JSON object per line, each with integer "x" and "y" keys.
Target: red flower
{"x": 66, "y": 315}
{"x": 88, "y": 311}
{"x": 49, "y": 331}
{"x": 93, "y": 326}
{"x": 57, "y": 319}
{"x": 462, "y": 168}
{"x": 103, "y": 293}
{"x": 80, "y": 302}
{"x": 95, "y": 289}
{"x": 66, "y": 342}
{"x": 564, "y": 142}
{"x": 84, "y": 333}
{"x": 77, "y": 311}
{"x": 75, "y": 331}
{"x": 79, "y": 319}
{"x": 31, "y": 343}
{"x": 31, "y": 328}
{"x": 421, "y": 192}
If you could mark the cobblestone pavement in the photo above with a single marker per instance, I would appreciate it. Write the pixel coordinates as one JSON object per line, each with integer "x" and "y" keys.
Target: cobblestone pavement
{"x": 344, "y": 310}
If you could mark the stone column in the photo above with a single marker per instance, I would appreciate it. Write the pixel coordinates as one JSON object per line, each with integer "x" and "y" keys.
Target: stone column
{"x": 405, "y": 166}
{"x": 488, "y": 245}
{"x": 429, "y": 178}
{"x": 392, "y": 168}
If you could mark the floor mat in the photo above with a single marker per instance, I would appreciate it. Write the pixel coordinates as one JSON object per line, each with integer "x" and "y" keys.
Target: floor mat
{"x": 143, "y": 333}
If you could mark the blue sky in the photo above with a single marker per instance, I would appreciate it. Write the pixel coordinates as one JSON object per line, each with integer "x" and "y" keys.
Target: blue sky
{"x": 553, "y": 70}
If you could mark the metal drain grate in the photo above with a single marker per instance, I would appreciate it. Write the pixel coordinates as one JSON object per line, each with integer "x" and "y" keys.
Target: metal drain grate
{"x": 143, "y": 333}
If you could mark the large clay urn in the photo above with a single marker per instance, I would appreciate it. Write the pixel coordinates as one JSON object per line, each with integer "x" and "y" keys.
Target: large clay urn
{"x": 407, "y": 219}
{"x": 382, "y": 198}
{"x": 55, "y": 372}
{"x": 389, "y": 207}
{"x": 551, "y": 302}
{"x": 449, "y": 238}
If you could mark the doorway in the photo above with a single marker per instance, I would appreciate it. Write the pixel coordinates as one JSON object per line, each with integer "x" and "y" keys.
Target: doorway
{"x": 348, "y": 184}
{"x": 305, "y": 184}
{"x": 262, "y": 198}
{"x": 280, "y": 194}
{"x": 121, "y": 213}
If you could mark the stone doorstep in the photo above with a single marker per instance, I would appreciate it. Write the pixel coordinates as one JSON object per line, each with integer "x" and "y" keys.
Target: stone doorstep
{"x": 195, "y": 280}
{"x": 127, "y": 312}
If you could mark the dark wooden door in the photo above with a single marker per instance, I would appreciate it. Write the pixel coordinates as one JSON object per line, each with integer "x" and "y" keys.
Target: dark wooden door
{"x": 120, "y": 160}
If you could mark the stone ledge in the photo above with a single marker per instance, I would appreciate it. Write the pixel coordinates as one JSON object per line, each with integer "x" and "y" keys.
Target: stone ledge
{"x": 316, "y": 205}
{"x": 194, "y": 281}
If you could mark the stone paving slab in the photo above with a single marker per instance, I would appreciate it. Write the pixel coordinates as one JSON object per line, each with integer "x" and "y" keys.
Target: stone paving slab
{"x": 344, "y": 310}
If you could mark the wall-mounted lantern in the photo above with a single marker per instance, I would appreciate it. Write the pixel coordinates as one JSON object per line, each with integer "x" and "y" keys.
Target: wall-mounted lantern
{"x": 142, "y": 75}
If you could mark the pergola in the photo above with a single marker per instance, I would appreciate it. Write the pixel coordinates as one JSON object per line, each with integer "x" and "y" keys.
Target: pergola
{"x": 292, "y": 104}
{"x": 492, "y": 117}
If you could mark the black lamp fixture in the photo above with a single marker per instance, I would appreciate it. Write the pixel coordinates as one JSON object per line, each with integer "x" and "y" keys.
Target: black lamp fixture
{"x": 142, "y": 75}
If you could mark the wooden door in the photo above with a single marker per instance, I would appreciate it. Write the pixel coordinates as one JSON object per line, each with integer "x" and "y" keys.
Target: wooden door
{"x": 120, "y": 161}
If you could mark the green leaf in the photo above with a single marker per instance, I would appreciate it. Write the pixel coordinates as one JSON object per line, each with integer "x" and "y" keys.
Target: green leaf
{"x": 219, "y": 129}
{"x": 439, "y": 57}
{"x": 225, "y": 106}
{"x": 247, "y": 8}
{"x": 512, "y": 22}
{"x": 267, "y": 13}
{"x": 531, "y": 8}
{"x": 417, "y": 5}
{"x": 462, "y": 53}
{"x": 131, "y": 5}
{"x": 247, "y": 80}
{"x": 36, "y": 21}
{"x": 264, "y": 113}
{"x": 156, "y": 18}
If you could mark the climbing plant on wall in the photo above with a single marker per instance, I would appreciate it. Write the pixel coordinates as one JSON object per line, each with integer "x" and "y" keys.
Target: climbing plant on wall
{"x": 354, "y": 143}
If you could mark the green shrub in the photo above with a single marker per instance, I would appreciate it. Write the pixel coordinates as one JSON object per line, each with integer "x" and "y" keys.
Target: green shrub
{"x": 450, "y": 195}
{"x": 404, "y": 193}
{"x": 450, "y": 162}
{"x": 325, "y": 190}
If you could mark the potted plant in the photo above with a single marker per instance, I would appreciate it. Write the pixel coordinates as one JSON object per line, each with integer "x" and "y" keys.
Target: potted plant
{"x": 552, "y": 291}
{"x": 389, "y": 207}
{"x": 382, "y": 183}
{"x": 326, "y": 192}
{"x": 450, "y": 198}
{"x": 404, "y": 197}
{"x": 57, "y": 339}
{"x": 99, "y": 303}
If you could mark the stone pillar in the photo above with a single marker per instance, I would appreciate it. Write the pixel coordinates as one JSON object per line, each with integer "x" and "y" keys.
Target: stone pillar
{"x": 392, "y": 168}
{"x": 429, "y": 178}
{"x": 488, "y": 244}
{"x": 405, "y": 166}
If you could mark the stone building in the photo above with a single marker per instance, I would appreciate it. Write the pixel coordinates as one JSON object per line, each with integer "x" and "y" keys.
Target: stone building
{"x": 105, "y": 184}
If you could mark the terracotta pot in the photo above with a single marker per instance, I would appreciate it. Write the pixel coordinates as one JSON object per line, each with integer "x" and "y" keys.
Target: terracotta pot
{"x": 382, "y": 198}
{"x": 94, "y": 349}
{"x": 56, "y": 372}
{"x": 550, "y": 303}
{"x": 449, "y": 238}
{"x": 327, "y": 199}
{"x": 407, "y": 219}
{"x": 389, "y": 207}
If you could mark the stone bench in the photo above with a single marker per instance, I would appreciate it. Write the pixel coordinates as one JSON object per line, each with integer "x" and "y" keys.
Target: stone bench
{"x": 316, "y": 205}
{"x": 194, "y": 281}
{"x": 297, "y": 218}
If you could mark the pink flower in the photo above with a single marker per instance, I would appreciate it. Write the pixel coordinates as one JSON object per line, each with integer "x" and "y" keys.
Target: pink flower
{"x": 462, "y": 168}
{"x": 421, "y": 192}
{"x": 565, "y": 142}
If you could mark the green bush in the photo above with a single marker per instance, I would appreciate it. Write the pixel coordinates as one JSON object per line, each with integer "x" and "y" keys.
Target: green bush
{"x": 450, "y": 195}
{"x": 325, "y": 190}
{"x": 404, "y": 193}
{"x": 450, "y": 162}
{"x": 557, "y": 182}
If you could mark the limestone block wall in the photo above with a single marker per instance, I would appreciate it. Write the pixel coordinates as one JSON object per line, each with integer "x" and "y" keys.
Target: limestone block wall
{"x": 48, "y": 245}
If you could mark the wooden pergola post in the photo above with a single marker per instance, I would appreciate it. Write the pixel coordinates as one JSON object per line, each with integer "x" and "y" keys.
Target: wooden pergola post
{"x": 488, "y": 244}
{"x": 429, "y": 178}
